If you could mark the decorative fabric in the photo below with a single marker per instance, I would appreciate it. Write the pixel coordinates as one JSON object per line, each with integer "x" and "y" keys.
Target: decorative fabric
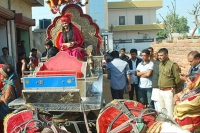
{"x": 155, "y": 128}
{"x": 67, "y": 17}
{"x": 166, "y": 127}
{"x": 28, "y": 119}
{"x": 8, "y": 93}
{"x": 187, "y": 112}
{"x": 77, "y": 50}
{"x": 113, "y": 115}
{"x": 19, "y": 121}
{"x": 6, "y": 70}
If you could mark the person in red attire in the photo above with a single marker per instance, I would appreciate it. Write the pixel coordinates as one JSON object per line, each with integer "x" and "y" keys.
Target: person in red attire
{"x": 70, "y": 39}
{"x": 33, "y": 58}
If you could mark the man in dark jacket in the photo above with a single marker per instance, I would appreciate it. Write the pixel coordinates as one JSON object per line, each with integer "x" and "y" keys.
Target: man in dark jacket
{"x": 21, "y": 47}
{"x": 123, "y": 56}
{"x": 133, "y": 62}
{"x": 51, "y": 50}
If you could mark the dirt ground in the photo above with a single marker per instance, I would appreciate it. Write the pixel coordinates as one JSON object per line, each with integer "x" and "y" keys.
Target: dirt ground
{"x": 106, "y": 90}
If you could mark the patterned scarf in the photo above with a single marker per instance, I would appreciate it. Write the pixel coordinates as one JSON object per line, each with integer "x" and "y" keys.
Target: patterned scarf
{"x": 187, "y": 112}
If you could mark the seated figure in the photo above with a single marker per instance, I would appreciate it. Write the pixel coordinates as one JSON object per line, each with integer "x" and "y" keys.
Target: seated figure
{"x": 187, "y": 105}
{"x": 51, "y": 50}
{"x": 71, "y": 40}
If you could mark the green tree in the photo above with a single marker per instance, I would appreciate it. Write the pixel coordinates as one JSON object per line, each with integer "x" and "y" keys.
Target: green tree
{"x": 179, "y": 26}
{"x": 162, "y": 34}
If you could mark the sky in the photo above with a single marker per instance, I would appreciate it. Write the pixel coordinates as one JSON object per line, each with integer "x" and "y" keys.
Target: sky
{"x": 182, "y": 8}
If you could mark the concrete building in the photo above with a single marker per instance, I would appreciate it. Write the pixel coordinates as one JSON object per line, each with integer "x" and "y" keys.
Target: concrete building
{"x": 98, "y": 10}
{"x": 15, "y": 24}
{"x": 133, "y": 23}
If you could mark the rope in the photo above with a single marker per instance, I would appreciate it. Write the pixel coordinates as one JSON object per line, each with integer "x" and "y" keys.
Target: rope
{"x": 125, "y": 110}
{"x": 124, "y": 125}
{"x": 76, "y": 127}
{"x": 33, "y": 121}
{"x": 147, "y": 109}
{"x": 54, "y": 129}
{"x": 110, "y": 125}
{"x": 85, "y": 118}
{"x": 27, "y": 122}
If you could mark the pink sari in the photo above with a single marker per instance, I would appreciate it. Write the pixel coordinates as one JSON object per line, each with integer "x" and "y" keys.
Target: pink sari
{"x": 77, "y": 50}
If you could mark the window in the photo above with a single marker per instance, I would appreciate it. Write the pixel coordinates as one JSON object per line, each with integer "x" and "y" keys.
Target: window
{"x": 121, "y": 20}
{"x": 138, "y": 19}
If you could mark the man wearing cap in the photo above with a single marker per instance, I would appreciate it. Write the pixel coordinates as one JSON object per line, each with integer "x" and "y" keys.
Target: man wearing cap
{"x": 168, "y": 81}
{"x": 6, "y": 58}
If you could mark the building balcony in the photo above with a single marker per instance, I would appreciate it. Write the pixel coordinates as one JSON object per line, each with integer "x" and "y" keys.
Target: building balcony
{"x": 136, "y": 4}
{"x": 35, "y": 2}
{"x": 138, "y": 27}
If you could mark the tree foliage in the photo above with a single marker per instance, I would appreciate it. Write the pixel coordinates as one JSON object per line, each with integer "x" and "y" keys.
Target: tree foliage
{"x": 180, "y": 26}
{"x": 172, "y": 23}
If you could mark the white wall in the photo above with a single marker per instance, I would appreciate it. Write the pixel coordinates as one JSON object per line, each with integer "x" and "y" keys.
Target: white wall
{"x": 133, "y": 35}
{"x": 129, "y": 46}
{"x": 149, "y": 16}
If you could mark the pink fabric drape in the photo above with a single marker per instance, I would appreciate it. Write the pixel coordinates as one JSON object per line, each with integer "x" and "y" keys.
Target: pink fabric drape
{"x": 77, "y": 50}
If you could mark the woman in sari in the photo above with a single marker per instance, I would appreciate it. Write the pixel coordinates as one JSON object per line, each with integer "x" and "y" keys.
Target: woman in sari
{"x": 71, "y": 40}
{"x": 187, "y": 105}
{"x": 10, "y": 91}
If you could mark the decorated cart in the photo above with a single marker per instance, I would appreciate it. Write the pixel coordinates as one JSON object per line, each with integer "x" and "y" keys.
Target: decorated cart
{"x": 63, "y": 93}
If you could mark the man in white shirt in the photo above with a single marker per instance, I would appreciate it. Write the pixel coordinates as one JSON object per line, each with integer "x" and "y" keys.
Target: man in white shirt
{"x": 5, "y": 58}
{"x": 133, "y": 63}
{"x": 144, "y": 70}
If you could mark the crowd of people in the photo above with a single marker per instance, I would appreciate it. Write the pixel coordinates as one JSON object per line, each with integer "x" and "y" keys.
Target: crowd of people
{"x": 158, "y": 83}
{"x": 151, "y": 78}
{"x": 70, "y": 40}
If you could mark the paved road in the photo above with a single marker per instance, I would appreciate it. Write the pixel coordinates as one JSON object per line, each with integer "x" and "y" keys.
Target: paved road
{"x": 106, "y": 90}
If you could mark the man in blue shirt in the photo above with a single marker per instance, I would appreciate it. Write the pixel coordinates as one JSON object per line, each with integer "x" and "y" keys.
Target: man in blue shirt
{"x": 194, "y": 60}
{"x": 117, "y": 72}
